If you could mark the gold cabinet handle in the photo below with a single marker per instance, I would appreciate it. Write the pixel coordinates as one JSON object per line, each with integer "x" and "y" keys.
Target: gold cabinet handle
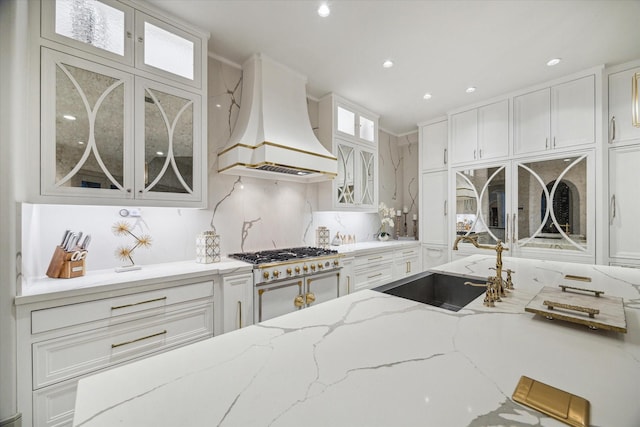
{"x": 348, "y": 284}
{"x": 299, "y": 301}
{"x": 375, "y": 275}
{"x": 546, "y": 143}
{"x": 565, "y": 287}
{"x": 613, "y": 129}
{"x": 579, "y": 278}
{"x": 240, "y": 314}
{"x": 375, "y": 258}
{"x": 138, "y": 339}
{"x": 590, "y": 311}
{"x": 310, "y": 298}
{"x": 445, "y": 156}
{"x": 613, "y": 206}
{"x": 138, "y": 303}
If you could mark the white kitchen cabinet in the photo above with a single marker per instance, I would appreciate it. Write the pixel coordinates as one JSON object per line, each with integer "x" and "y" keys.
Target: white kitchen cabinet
{"x": 407, "y": 261}
{"x": 61, "y": 341}
{"x": 373, "y": 269}
{"x": 481, "y": 133}
{"x": 346, "y": 276}
{"x": 117, "y": 32}
{"x": 237, "y": 301}
{"x": 624, "y": 204}
{"x": 621, "y": 124}
{"x": 433, "y": 145}
{"x": 351, "y": 134}
{"x": 561, "y": 116}
{"x": 434, "y": 208}
{"x": 434, "y": 255}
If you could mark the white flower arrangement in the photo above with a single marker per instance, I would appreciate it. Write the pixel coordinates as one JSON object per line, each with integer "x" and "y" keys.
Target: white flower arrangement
{"x": 386, "y": 219}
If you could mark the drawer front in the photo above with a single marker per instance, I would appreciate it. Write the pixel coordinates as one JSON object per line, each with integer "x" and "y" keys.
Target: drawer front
{"x": 74, "y": 314}
{"x": 63, "y": 358}
{"x": 372, "y": 278}
{"x": 54, "y": 406}
{"x": 406, "y": 254}
{"x": 372, "y": 260}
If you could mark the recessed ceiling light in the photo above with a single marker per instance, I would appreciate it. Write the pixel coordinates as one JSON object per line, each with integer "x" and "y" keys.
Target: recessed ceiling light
{"x": 387, "y": 64}
{"x": 324, "y": 10}
{"x": 470, "y": 89}
{"x": 81, "y": 142}
{"x": 554, "y": 61}
{"x": 426, "y": 96}
{"x": 218, "y": 105}
{"x": 159, "y": 153}
{"x": 69, "y": 117}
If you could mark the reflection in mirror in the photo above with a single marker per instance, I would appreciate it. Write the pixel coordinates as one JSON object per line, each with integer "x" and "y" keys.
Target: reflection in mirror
{"x": 366, "y": 159}
{"x": 480, "y": 204}
{"x": 561, "y": 223}
{"x": 87, "y": 101}
{"x": 345, "y": 174}
{"x": 168, "y": 143}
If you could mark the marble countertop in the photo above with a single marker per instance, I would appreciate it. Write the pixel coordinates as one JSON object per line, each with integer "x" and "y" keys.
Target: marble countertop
{"x": 363, "y": 248}
{"x": 371, "y": 359}
{"x": 98, "y": 281}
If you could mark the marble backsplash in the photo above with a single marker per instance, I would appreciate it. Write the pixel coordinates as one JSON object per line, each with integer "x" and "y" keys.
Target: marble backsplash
{"x": 248, "y": 214}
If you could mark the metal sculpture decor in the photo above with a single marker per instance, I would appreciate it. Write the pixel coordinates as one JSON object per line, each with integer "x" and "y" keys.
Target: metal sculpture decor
{"x": 124, "y": 252}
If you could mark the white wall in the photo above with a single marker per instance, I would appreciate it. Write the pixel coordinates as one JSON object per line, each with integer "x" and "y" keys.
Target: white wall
{"x": 13, "y": 88}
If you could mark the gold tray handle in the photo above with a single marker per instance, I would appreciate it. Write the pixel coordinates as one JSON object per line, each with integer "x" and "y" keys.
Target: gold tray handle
{"x": 590, "y": 311}
{"x": 565, "y": 287}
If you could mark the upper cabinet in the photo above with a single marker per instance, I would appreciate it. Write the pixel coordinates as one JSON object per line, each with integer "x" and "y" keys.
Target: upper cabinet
{"x": 561, "y": 116}
{"x": 433, "y": 146}
{"x": 351, "y": 134}
{"x": 624, "y": 123}
{"x": 480, "y": 133}
{"x": 120, "y": 120}
{"x": 114, "y": 31}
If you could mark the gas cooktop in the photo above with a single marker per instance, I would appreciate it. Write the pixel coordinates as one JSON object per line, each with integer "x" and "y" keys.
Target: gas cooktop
{"x": 282, "y": 255}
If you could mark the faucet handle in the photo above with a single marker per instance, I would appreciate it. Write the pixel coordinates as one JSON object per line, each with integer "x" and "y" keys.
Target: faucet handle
{"x": 509, "y": 282}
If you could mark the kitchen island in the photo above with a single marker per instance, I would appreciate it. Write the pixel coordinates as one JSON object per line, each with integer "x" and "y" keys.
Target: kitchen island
{"x": 371, "y": 359}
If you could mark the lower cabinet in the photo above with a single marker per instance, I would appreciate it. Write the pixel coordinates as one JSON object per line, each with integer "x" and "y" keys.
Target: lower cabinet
{"x": 624, "y": 205}
{"x": 59, "y": 344}
{"x": 434, "y": 255}
{"x": 373, "y": 269}
{"x": 237, "y": 301}
{"x": 407, "y": 261}
{"x": 346, "y": 276}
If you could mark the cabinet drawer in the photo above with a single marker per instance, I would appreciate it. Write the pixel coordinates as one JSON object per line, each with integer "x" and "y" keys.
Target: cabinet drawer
{"x": 54, "y": 406}
{"x": 373, "y": 278}
{"x": 70, "y": 356}
{"x": 406, "y": 254}
{"x": 374, "y": 259}
{"x": 75, "y": 314}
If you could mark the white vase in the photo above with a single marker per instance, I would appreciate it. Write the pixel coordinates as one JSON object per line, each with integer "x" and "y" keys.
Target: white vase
{"x": 383, "y": 238}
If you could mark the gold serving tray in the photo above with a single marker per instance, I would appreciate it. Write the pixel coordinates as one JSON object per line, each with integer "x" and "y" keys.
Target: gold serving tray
{"x": 561, "y": 405}
{"x": 583, "y": 306}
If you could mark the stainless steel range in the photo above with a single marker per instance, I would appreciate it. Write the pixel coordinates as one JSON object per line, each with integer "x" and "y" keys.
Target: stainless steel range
{"x": 291, "y": 279}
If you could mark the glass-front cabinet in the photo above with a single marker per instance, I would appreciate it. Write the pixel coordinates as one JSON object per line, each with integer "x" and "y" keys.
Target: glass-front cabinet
{"x": 355, "y": 184}
{"x": 120, "y": 117}
{"x": 536, "y": 208}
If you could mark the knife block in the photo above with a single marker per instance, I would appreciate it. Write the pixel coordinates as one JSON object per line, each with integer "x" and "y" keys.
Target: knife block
{"x": 61, "y": 266}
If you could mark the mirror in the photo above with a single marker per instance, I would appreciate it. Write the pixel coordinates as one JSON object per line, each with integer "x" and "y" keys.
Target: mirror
{"x": 344, "y": 179}
{"x": 89, "y": 129}
{"x": 552, "y": 200}
{"x": 367, "y": 171}
{"x": 481, "y": 204}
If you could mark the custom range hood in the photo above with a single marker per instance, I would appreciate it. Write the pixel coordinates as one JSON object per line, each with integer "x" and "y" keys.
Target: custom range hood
{"x": 273, "y": 138}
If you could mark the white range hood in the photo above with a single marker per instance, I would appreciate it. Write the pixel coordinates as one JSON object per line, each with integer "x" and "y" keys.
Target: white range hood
{"x": 273, "y": 138}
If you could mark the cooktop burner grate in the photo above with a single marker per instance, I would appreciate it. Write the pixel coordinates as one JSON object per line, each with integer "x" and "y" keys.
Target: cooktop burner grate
{"x": 281, "y": 255}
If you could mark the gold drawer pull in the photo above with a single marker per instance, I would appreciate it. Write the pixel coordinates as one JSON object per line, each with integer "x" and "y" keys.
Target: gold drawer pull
{"x": 375, "y": 275}
{"x": 565, "y": 287}
{"x": 373, "y": 259}
{"x": 579, "y": 278}
{"x": 138, "y": 303}
{"x": 138, "y": 339}
{"x": 590, "y": 311}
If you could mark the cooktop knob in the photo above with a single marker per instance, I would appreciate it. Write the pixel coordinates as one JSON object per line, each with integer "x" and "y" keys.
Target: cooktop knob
{"x": 289, "y": 271}
{"x": 305, "y": 268}
{"x": 313, "y": 267}
{"x": 336, "y": 262}
{"x": 297, "y": 270}
{"x": 265, "y": 274}
{"x": 320, "y": 265}
{"x": 276, "y": 273}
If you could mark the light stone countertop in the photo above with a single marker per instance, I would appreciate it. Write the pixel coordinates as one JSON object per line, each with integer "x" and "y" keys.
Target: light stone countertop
{"x": 108, "y": 281}
{"x": 363, "y": 248}
{"x": 371, "y": 359}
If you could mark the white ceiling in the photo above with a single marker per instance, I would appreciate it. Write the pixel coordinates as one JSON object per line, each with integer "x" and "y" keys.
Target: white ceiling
{"x": 441, "y": 47}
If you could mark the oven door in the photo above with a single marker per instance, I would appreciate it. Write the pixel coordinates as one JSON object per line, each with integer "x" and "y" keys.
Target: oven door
{"x": 278, "y": 298}
{"x": 321, "y": 287}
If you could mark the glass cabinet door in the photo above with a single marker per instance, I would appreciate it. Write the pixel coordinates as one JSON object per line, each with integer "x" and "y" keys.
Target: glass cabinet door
{"x": 367, "y": 178}
{"x": 481, "y": 204}
{"x": 345, "y": 191}
{"x": 552, "y": 204}
{"x": 86, "y": 137}
{"x": 170, "y": 120}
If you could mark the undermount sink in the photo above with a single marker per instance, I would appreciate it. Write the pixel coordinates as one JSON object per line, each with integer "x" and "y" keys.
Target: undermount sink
{"x": 440, "y": 290}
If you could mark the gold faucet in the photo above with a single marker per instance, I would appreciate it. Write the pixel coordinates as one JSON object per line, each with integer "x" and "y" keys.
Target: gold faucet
{"x": 499, "y": 249}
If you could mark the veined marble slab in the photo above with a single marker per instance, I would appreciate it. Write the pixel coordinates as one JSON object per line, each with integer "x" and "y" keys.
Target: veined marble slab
{"x": 371, "y": 359}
